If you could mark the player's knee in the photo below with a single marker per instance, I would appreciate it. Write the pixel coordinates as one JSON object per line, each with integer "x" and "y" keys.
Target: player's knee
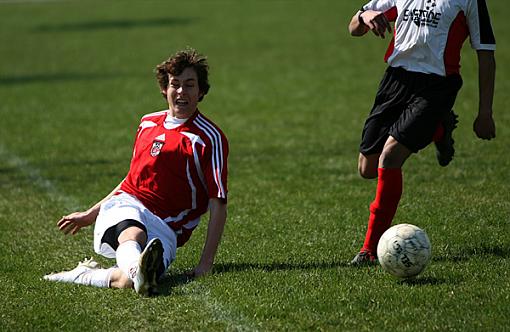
{"x": 367, "y": 172}
{"x": 388, "y": 159}
{"x": 394, "y": 154}
{"x": 134, "y": 232}
{"x": 392, "y": 159}
{"x": 367, "y": 165}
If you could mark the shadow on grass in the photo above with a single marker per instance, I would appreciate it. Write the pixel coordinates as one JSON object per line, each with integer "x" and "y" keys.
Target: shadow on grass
{"x": 277, "y": 266}
{"x": 8, "y": 170}
{"x": 57, "y": 77}
{"x": 465, "y": 254}
{"x": 169, "y": 281}
{"x": 422, "y": 281}
{"x": 114, "y": 24}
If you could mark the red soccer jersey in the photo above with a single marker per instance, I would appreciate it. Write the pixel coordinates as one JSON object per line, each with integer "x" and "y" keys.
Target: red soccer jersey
{"x": 175, "y": 171}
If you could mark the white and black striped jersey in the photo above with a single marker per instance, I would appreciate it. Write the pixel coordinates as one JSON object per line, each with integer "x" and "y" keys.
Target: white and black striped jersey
{"x": 429, "y": 34}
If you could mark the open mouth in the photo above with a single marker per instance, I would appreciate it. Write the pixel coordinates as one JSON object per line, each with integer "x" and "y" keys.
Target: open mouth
{"x": 181, "y": 102}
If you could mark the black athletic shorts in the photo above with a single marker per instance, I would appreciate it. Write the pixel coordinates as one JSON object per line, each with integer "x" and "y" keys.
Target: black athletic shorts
{"x": 408, "y": 106}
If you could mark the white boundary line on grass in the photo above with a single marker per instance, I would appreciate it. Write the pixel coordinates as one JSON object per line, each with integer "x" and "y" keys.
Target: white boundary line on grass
{"x": 234, "y": 321}
{"x": 218, "y": 311}
{"x": 37, "y": 179}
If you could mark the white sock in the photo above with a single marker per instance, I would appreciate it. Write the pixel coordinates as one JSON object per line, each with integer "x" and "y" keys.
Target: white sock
{"x": 83, "y": 275}
{"x": 96, "y": 278}
{"x": 128, "y": 255}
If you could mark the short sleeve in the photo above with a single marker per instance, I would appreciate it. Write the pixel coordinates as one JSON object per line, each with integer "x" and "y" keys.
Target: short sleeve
{"x": 480, "y": 28}
{"x": 379, "y": 5}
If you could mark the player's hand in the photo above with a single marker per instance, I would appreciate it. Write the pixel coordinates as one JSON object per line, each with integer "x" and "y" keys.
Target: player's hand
{"x": 199, "y": 271}
{"x": 73, "y": 222}
{"x": 484, "y": 127}
{"x": 377, "y": 22}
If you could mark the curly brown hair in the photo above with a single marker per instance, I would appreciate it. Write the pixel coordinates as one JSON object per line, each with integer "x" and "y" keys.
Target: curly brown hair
{"x": 181, "y": 60}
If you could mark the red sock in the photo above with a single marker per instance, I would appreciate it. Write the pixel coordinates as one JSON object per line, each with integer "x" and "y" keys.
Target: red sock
{"x": 384, "y": 206}
{"x": 439, "y": 133}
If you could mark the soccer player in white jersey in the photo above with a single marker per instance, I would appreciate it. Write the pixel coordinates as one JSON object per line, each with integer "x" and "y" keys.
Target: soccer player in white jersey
{"x": 413, "y": 106}
{"x": 178, "y": 172}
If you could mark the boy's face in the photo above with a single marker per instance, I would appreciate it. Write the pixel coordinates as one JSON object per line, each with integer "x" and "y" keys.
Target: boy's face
{"x": 183, "y": 93}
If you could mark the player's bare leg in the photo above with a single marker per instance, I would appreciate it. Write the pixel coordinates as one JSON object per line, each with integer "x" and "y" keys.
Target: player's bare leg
{"x": 368, "y": 164}
{"x": 384, "y": 206}
{"x": 394, "y": 154}
{"x": 133, "y": 234}
{"x": 119, "y": 279}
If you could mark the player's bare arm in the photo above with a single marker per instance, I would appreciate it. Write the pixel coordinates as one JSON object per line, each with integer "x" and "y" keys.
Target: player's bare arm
{"x": 218, "y": 217}
{"x": 367, "y": 20}
{"x": 72, "y": 223}
{"x": 484, "y": 125}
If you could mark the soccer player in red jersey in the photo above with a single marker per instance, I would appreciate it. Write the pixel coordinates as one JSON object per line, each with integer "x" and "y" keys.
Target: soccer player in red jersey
{"x": 178, "y": 172}
{"x": 413, "y": 106}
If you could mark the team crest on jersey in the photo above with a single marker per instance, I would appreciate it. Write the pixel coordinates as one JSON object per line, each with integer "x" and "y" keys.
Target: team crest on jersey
{"x": 156, "y": 148}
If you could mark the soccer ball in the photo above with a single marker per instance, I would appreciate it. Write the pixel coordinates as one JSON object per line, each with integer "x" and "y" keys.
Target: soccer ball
{"x": 404, "y": 250}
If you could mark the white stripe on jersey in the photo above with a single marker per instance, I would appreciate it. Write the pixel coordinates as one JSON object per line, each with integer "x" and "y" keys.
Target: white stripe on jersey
{"x": 145, "y": 124}
{"x": 191, "y": 224}
{"x": 154, "y": 114}
{"x": 217, "y": 157}
{"x": 193, "y": 188}
{"x": 196, "y": 139}
{"x": 183, "y": 214}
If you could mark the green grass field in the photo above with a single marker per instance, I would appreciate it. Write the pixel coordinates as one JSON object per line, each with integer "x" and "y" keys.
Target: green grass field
{"x": 291, "y": 90}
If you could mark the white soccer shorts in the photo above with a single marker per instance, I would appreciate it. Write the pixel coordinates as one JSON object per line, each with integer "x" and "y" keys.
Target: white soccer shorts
{"x": 123, "y": 207}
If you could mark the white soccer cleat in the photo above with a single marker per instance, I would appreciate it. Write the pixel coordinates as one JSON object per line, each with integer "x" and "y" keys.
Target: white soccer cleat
{"x": 78, "y": 275}
{"x": 145, "y": 280}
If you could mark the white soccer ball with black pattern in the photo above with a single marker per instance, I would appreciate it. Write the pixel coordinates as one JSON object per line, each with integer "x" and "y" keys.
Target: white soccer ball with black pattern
{"x": 404, "y": 250}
